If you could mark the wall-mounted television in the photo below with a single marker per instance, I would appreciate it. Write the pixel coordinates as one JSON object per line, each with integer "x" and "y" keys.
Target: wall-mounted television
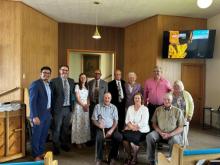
{"x": 188, "y": 44}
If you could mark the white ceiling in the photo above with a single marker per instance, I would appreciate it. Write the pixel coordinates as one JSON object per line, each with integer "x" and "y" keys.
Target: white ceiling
{"x": 119, "y": 13}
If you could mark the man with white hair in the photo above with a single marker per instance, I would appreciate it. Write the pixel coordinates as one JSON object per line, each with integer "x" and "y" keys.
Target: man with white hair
{"x": 168, "y": 122}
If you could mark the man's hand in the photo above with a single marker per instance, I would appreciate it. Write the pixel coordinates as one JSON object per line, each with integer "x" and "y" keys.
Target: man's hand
{"x": 101, "y": 124}
{"x": 166, "y": 136}
{"x": 36, "y": 121}
{"x": 108, "y": 133}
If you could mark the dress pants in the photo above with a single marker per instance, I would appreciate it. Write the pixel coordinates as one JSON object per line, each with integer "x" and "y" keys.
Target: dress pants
{"x": 151, "y": 109}
{"x": 92, "y": 127}
{"x": 154, "y": 137}
{"x": 39, "y": 137}
{"x": 116, "y": 139}
{"x": 121, "y": 115}
{"x": 61, "y": 127}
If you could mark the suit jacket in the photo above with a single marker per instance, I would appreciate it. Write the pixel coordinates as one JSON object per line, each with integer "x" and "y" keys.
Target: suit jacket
{"x": 38, "y": 100}
{"x": 103, "y": 88}
{"x": 58, "y": 93}
{"x": 113, "y": 89}
{"x": 129, "y": 95}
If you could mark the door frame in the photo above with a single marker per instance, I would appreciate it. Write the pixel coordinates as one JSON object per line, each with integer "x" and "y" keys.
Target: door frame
{"x": 202, "y": 89}
{"x": 113, "y": 53}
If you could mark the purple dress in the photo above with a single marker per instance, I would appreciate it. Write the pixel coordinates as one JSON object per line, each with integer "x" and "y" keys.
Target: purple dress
{"x": 130, "y": 94}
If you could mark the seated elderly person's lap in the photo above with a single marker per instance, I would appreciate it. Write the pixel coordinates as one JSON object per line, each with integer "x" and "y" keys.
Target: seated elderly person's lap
{"x": 133, "y": 136}
{"x": 154, "y": 136}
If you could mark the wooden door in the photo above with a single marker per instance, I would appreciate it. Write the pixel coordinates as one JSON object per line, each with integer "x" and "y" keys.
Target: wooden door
{"x": 193, "y": 77}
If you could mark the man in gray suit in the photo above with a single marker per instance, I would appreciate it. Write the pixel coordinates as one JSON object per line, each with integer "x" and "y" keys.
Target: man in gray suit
{"x": 62, "y": 102}
{"x": 97, "y": 89}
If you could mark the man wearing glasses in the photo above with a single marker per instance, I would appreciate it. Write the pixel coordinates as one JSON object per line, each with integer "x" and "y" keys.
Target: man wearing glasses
{"x": 62, "y": 102}
{"x": 40, "y": 113}
{"x": 97, "y": 89}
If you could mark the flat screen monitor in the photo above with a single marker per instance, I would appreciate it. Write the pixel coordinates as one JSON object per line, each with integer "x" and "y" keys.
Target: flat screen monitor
{"x": 188, "y": 44}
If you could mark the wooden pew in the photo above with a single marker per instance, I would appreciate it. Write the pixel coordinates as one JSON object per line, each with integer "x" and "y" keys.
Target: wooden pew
{"x": 48, "y": 160}
{"x": 180, "y": 156}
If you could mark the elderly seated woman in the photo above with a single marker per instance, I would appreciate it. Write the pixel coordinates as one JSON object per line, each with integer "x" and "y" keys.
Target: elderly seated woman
{"x": 136, "y": 127}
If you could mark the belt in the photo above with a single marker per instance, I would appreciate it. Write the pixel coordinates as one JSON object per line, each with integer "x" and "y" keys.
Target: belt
{"x": 65, "y": 106}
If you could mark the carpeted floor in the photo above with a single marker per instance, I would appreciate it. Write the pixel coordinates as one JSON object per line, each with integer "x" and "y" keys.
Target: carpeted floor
{"x": 198, "y": 138}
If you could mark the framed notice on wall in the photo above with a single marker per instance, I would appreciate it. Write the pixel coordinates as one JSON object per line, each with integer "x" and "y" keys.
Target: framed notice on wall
{"x": 90, "y": 62}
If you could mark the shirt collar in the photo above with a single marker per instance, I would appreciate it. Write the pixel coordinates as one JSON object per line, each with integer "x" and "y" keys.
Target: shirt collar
{"x": 167, "y": 108}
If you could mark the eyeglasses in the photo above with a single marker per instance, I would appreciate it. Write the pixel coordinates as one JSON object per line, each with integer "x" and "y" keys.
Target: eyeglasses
{"x": 64, "y": 70}
{"x": 45, "y": 72}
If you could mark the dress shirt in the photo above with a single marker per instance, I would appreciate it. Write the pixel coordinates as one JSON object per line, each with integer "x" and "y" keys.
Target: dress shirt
{"x": 168, "y": 119}
{"x": 121, "y": 92}
{"x": 108, "y": 113}
{"x": 139, "y": 117}
{"x": 48, "y": 90}
{"x": 155, "y": 90}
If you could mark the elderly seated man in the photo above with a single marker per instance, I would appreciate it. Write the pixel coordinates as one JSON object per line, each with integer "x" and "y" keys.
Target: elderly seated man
{"x": 105, "y": 118}
{"x": 168, "y": 122}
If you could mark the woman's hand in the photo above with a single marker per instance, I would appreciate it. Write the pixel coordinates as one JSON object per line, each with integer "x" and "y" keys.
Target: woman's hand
{"x": 86, "y": 107}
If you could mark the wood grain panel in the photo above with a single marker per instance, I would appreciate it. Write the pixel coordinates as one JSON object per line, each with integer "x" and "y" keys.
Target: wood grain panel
{"x": 79, "y": 37}
{"x": 2, "y": 136}
{"x": 39, "y": 44}
{"x": 15, "y": 135}
{"x": 141, "y": 46}
{"x": 10, "y": 52}
{"x": 29, "y": 40}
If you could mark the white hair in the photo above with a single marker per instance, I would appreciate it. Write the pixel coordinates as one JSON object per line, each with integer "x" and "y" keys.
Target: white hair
{"x": 158, "y": 68}
{"x": 168, "y": 96}
{"x": 132, "y": 74}
{"x": 179, "y": 83}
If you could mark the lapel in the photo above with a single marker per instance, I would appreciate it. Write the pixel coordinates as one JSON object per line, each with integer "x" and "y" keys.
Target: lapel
{"x": 43, "y": 87}
{"x": 60, "y": 84}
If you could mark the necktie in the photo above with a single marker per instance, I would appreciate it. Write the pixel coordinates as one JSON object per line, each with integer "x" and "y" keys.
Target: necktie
{"x": 119, "y": 92}
{"x": 66, "y": 92}
{"x": 96, "y": 92}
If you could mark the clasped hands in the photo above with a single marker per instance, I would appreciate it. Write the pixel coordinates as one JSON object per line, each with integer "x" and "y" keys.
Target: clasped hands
{"x": 166, "y": 135}
{"x": 85, "y": 107}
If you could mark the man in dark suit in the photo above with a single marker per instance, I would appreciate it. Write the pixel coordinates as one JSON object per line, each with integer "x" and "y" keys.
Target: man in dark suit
{"x": 97, "y": 89}
{"x": 40, "y": 105}
{"x": 117, "y": 90}
{"x": 62, "y": 102}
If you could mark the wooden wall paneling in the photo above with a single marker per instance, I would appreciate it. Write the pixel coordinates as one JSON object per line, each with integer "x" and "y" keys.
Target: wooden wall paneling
{"x": 141, "y": 48}
{"x": 10, "y": 52}
{"x": 79, "y": 37}
{"x": 2, "y": 135}
{"x": 39, "y": 44}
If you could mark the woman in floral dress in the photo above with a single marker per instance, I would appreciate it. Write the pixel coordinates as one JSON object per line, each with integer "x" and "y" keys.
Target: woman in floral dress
{"x": 80, "y": 118}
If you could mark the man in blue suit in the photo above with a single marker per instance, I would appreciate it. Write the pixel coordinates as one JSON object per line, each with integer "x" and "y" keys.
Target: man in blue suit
{"x": 40, "y": 105}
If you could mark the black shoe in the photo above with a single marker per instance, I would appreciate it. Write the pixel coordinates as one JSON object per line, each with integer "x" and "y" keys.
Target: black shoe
{"x": 65, "y": 148}
{"x": 56, "y": 151}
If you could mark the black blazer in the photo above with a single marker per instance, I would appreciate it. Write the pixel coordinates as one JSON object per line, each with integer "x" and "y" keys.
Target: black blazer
{"x": 58, "y": 93}
{"x": 113, "y": 89}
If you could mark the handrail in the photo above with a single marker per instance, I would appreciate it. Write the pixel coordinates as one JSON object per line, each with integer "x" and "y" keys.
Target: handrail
{"x": 9, "y": 91}
{"x": 107, "y": 77}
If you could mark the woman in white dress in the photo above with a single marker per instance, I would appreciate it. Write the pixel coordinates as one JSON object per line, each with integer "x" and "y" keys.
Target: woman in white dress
{"x": 80, "y": 118}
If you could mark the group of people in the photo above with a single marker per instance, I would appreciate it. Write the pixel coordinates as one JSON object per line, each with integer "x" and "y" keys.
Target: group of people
{"x": 121, "y": 111}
